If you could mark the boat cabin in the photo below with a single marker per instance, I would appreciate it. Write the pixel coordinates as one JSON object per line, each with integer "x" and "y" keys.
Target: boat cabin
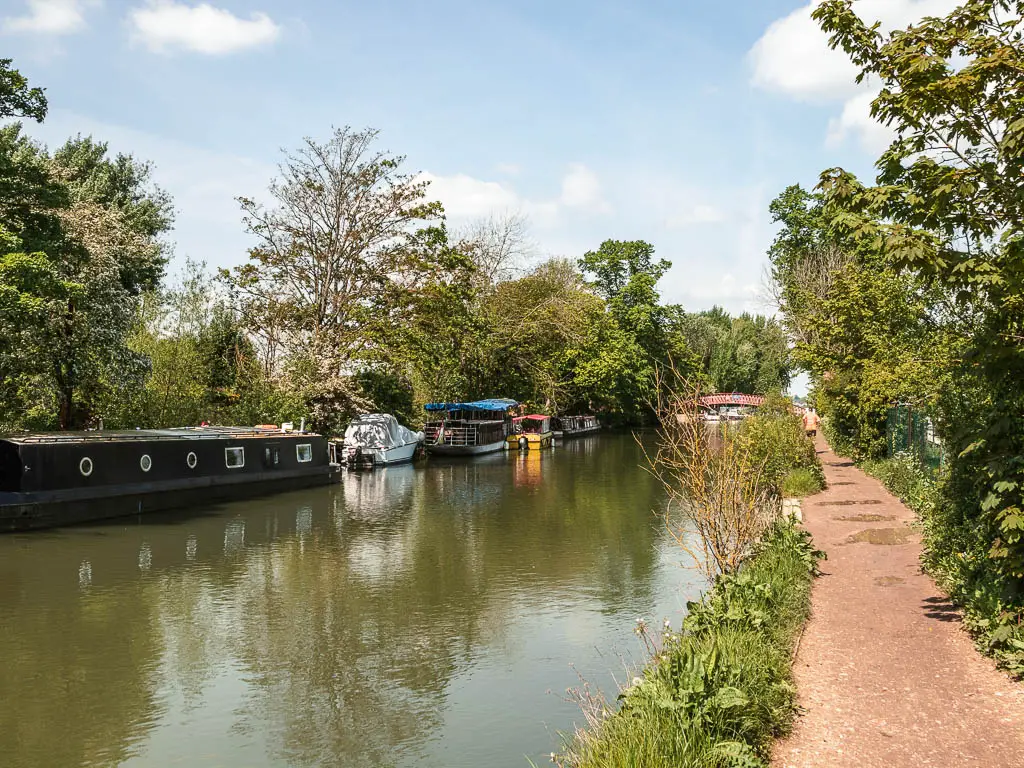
{"x": 569, "y": 426}
{"x": 475, "y": 427}
{"x": 531, "y": 431}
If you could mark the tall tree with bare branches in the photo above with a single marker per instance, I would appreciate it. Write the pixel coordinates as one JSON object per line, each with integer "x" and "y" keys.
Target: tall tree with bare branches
{"x": 340, "y": 241}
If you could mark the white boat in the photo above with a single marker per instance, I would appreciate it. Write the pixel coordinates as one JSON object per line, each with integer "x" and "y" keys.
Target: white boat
{"x": 377, "y": 439}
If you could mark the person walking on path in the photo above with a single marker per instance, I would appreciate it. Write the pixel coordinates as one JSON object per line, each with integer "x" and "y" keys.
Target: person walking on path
{"x": 886, "y": 675}
{"x": 811, "y": 422}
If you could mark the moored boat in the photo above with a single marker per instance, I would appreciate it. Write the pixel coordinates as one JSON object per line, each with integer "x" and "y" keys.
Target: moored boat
{"x": 573, "y": 426}
{"x": 467, "y": 429}
{"x": 377, "y": 439}
{"x": 52, "y": 479}
{"x": 533, "y": 431}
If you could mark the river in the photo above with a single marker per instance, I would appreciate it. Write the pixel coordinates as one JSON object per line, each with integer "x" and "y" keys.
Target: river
{"x": 428, "y": 615}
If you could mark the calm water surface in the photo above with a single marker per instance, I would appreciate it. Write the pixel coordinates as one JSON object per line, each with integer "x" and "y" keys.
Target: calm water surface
{"x": 430, "y": 616}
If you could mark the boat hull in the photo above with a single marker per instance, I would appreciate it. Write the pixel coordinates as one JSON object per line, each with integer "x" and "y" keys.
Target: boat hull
{"x": 569, "y": 434}
{"x": 383, "y": 457}
{"x": 533, "y": 440}
{"x": 49, "y": 509}
{"x": 465, "y": 450}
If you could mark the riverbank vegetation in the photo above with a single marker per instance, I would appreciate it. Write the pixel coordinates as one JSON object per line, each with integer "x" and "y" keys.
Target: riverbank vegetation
{"x": 356, "y": 295}
{"x": 719, "y": 691}
{"x": 724, "y": 483}
{"x": 910, "y": 290}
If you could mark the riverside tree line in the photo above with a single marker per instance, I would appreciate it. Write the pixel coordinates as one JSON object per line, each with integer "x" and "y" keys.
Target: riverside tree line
{"x": 356, "y": 296}
{"x": 911, "y": 289}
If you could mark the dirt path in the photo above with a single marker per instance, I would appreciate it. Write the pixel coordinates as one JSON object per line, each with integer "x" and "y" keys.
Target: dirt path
{"x": 885, "y": 672}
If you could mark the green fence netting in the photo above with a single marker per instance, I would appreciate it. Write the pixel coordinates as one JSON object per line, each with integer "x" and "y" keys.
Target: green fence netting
{"x": 911, "y": 431}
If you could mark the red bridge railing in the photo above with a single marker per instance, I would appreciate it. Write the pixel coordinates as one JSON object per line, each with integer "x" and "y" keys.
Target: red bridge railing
{"x": 731, "y": 398}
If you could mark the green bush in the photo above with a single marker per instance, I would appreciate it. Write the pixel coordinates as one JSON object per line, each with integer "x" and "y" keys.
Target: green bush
{"x": 801, "y": 482}
{"x": 777, "y": 442}
{"x": 720, "y": 691}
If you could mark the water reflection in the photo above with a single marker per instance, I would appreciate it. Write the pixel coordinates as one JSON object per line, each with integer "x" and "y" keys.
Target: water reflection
{"x": 415, "y": 615}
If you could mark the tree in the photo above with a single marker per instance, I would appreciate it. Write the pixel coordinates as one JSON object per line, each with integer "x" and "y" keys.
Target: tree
{"x": 335, "y": 253}
{"x": 805, "y": 258}
{"x": 947, "y": 207}
{"x": 16, "y": 98}
{"x": 499, "y": 246}
{"x": 89, "y": 224}
{"x": 626, "y": 276}
{"x": 743, "y": 354}
{"x": 540, "y": 327}
{"x": 617, "y": 262}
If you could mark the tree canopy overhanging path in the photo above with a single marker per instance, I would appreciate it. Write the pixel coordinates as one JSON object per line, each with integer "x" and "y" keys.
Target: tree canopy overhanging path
{"x": 885, "y": 672}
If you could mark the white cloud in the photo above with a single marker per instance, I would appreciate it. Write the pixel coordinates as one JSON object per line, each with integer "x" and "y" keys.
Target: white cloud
{"x": 697, "y": 214}
{"x": 725, "y": 287}
{"x": 793, "y": 58}
{"x": 51, "y": 17}
{"x": 856, "y": 122}
{"x": 466, "y": 197}
{"x": 581, "y": 188}
{"x": 166, "y": 25}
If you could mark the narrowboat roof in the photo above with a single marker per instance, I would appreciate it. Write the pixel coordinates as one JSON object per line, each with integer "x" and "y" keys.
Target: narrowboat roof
{"x": 496, "y": 404}
{"x": 180, "y": 433}
{"x": 534, "y": 416}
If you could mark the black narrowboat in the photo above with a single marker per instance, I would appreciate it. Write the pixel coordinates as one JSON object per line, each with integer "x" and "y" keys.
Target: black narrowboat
{"x": 54, "y": 479}
{"x": 575, "y": 426}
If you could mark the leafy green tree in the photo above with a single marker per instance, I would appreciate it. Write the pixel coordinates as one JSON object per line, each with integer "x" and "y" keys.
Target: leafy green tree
{"x": 626, "y": 276}
{"x": 81, "y": 240}
{"x": 947, "y": 207}
{"x": 617, "y": 262}
{"x": 743, "y": 354}
{"x": 17, "y": 99}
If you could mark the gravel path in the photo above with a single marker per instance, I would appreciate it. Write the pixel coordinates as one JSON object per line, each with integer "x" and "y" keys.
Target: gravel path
{"x": 885, "y": 672}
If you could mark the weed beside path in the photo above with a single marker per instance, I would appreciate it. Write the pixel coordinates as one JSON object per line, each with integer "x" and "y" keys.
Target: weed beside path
{"x": 885, "y": 672}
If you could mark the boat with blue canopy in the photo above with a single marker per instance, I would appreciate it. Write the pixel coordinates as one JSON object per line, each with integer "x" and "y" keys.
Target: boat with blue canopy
{"x": 470, "y": 428}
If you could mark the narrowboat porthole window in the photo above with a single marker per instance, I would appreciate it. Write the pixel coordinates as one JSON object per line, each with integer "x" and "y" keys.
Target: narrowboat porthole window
{"x": 234, "y": 458}
{"x": 85, "y": 466}
{"x": 304, "y": 452}
{"x": 191, "y": 460}
{"x": 146, "y": 463}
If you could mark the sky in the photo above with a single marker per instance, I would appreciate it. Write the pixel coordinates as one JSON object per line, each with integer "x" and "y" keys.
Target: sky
{"x": 670, "y": 121}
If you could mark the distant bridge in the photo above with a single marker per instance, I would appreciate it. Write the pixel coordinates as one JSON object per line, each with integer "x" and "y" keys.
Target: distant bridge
{"x": 731, "y": 398}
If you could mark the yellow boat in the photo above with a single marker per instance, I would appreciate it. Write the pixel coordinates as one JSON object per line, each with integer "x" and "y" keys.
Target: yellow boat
{"x": 528, "y": 432}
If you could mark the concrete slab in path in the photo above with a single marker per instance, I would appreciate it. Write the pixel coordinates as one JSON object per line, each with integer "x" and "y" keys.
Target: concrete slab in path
{"x": 885, "y": 671}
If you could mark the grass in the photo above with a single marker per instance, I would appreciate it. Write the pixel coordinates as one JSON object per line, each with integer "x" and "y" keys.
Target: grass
{"x": 802, "y": 482}
{"x": 718, "y": 692}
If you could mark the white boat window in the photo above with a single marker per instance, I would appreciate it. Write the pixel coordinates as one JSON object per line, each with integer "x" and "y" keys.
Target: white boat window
{"x": 234, "y": 458}
{"x": 85, "y": 466}
{"x": 304, "y": 452}
{"x": 146, "y": 463}
{"x": 191, "y": 460}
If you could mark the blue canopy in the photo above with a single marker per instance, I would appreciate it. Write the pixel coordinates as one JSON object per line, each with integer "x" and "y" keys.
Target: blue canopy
{"x": 497, "y": 404}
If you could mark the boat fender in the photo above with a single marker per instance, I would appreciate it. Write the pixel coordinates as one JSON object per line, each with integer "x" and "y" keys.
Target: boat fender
{"x": 524, "y": 443}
